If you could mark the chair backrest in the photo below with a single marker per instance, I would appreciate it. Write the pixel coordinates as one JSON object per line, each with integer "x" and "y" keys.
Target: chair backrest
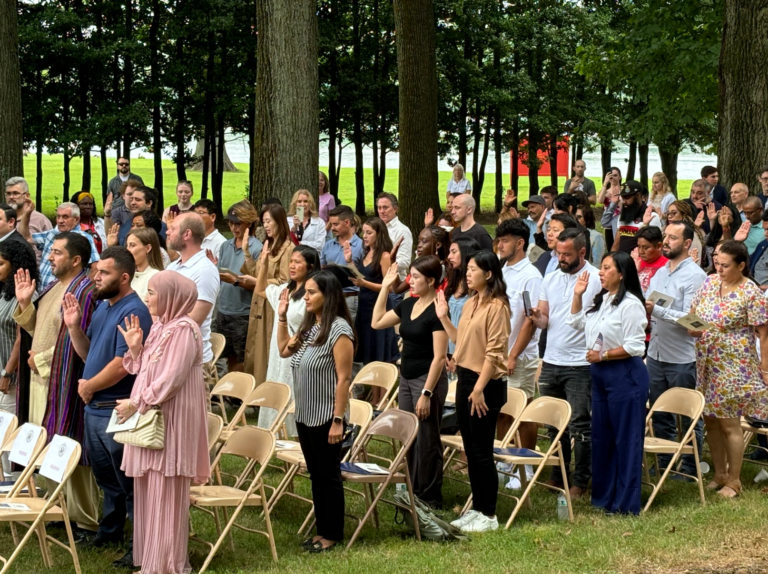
{"x": 218, "y": 342}
{"x": 41, "y": 440}
{"x": 516, "y": 403}
{"x": 678, "y": 401}
{"x": 215, "y": 426}
{"x": 252, "y": 443}
{"x": 378, "y": 374}
{"x": 236, "y": 385}
{"x": 10, "y": 422}
{"x": 271, "y": 395}
{"x": 547, "y": 411}
{"x": 394, "y": 423}
{"x": 360, "y": 413}
{"x": 24, "y": 479}
{"x": 39, "y": 461}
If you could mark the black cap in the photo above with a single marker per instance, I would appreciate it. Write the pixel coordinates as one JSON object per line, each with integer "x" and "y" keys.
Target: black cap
{"x": 631, "y": 188}
{"x": 535, "y": 199}
{"x": 232, "y": 216}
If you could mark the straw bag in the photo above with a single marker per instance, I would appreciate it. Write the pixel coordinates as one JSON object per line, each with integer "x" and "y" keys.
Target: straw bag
{"x": 149, "y": 432}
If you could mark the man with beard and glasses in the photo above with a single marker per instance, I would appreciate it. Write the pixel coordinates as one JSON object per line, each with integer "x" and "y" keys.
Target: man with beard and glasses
{"x": 50, "y": 386}
{"x": 625, "y": 217}
{"x": 565, "y": 371}
{"x": 671, "y": 358}
{"x": 104, "y": 382}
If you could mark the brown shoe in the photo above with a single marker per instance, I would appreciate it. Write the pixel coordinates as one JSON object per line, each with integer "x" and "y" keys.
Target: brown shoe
{"x": 554, "y": 484}
{"x": 577, "y": 492}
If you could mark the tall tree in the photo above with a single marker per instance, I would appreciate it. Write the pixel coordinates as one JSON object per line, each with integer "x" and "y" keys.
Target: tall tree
{"x": 743, "y": 122}
{"x": 11, "y": 135}
{"x": 417, "y": 71}
{"x": 286, "y": 152}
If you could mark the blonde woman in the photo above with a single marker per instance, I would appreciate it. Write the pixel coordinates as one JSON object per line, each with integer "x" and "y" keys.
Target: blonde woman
{"x": 184, "y": 194}
{"x": 661, "y": 195}
{"x": 144, "y": 245}
{"x": 309, "y": 230}
{"x": 459, "y": 182}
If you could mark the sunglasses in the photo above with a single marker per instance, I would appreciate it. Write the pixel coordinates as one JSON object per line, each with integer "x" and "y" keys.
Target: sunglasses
{"x": 123, "y": 163}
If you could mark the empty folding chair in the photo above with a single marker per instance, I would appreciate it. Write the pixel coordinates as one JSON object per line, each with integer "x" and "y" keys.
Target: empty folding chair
{"x": 215, "y": 426}
{"x": 268, "y": 395}
{"x": 382, "y": 375}
{"x": 235, "y": 386}
{"x": 23, "y": 447}
{"x": 8, "y": 424}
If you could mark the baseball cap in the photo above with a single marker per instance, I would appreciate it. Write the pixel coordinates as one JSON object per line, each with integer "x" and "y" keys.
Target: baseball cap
{"x": 232, "y": 216}
{"x": 535, "y": 199}
{"x": 631, "y": 188}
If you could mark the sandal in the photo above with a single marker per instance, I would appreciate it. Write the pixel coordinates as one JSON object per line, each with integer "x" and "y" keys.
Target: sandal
{"x": 309, "y": 542}
{"x": 318, "y": 547}
{"x": 716, "y": 483}
{"x": 732, "y": 489}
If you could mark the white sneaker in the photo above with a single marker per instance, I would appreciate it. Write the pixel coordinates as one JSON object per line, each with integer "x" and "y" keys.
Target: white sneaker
{"x": 529, "y": 472}
{"x": 513, "y": 483}
{"x": 464, "y": 519}
{"x": 481, "y": 523}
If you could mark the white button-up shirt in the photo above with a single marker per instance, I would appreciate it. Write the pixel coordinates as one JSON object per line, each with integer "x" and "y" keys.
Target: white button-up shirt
{"x": 314, "y": 234}
{"x": 621, "y": 325}
{"x": 397, "y": 229}
{"x": 520, "y": 277}
{"x": 214, "y": 241}
{"x": 462, "y": 186}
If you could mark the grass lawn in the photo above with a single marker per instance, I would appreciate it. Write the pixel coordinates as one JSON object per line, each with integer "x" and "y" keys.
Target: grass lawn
{"x": 234, "y": 183}
{"x": 677, "y": 535}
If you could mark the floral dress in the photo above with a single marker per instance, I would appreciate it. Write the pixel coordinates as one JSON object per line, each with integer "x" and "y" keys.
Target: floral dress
{"x": 727, "y": 368}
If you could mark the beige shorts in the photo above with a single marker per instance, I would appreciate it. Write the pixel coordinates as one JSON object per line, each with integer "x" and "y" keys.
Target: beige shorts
{"x": 524, "y": 376}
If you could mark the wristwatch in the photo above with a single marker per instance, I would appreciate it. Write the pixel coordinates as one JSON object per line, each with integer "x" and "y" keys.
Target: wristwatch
{"x": 3, "y": 374}
{"x": 338, "y": 420}
{"x": 427, "y": 393}
{"x": 236, "y": 283}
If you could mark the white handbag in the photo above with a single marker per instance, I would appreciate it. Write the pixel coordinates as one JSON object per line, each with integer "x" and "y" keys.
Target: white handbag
{"x": 148, "y": 433}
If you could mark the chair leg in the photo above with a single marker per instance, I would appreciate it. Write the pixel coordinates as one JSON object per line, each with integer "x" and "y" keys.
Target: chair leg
{"x": 412, "y": 496}
{"x": 30, "y": 531}
{"x": 70, "y": 537}
{"x": 698, "y": 469}
{"x": 662, "y": 478}
{"x": 467, "y": 505}
{"x": 305, "y": 524}
{"x": 268, "y": 520}
{"x": 525, "y": 494}
{"x": 368, "y": 513}
{"x": 220, "y": 540}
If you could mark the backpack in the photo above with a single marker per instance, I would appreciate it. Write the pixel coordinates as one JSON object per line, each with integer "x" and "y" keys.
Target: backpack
{"x": 431, "y": 526}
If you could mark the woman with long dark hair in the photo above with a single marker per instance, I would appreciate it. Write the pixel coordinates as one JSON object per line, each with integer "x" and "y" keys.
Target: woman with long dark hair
{"x": 615, "y": 335}
{"x": 373, "y": 345}
{"x": 321, "y": 361}
{"x": 481, "y": 362}
{"x": 274, "y": 263}
{"x": 456, "y": 290}
{"x": 423, "y": 383}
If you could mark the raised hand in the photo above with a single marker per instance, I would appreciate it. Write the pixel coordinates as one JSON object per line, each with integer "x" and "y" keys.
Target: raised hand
{"x": 113, "y": 237}
{"x": 542, "y": 220}
{"x": 699, "y": 218}
{"x": 25, "y": 287}
{"x": 282, "y": 308}
{"x": 510, "y": 197}
{"x": 607, "y": 181}
{"x": 725, "y": 218}
{"x": 694, "y": 254}
{"x": 441, "y": 306}
{"x": 648, "y": 215}
{"x": 347, "y": 252}
{"x": 108, "y": 204}
{"x": 581, "y": 284}
{"x": 25, "y": 209}
{"x": 395, "y": 249}
{"x": 711, "y": 212}
{"x": 390, "y": 277}
{"x": 170, "y": 217}
{"x": 73, "y": 314}
{"x": 635, "y": 257}
{"x": 264, "y": 259}
{"x": 743, "y": 232}
{"x": 429, "y": 217}
{"x": 133, "y": 334}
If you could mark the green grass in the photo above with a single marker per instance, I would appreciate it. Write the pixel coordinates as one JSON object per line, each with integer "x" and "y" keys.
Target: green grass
{"x": 234, "y": 183}
{"x": 678, "y": 534}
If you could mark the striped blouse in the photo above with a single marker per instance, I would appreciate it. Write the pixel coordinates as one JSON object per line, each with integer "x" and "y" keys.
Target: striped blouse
{"x": 314, "y": 375}
{"x": 7, "y": 332}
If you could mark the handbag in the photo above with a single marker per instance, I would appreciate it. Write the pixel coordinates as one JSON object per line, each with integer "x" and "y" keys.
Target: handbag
{"x": 148, "y": 433}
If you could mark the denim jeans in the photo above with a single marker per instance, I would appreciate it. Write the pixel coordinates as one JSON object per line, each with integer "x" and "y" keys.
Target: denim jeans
{"x": 574, "y": 384}
{"x": 666, "y": 376}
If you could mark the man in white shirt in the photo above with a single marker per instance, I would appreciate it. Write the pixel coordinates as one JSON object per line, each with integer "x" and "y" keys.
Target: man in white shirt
{"x": 520, "y": 277}
{"x": 387, "y": 206}
{"x": 565, "y": 371}
{"x": 671, "y": 358}
{"x": 185, "y": 235}
{"x": 213, "y": 240}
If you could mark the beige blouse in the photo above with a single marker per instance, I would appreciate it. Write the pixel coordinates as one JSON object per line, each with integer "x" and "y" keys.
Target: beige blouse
{"x": 483, "y": 335}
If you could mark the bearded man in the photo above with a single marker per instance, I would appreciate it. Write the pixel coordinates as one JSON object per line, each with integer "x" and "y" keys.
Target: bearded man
{"x": 627, "y": 216}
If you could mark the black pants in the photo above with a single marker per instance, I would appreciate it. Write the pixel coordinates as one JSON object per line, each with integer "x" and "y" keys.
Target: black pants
{"x": 478, "y": 434}
{"x": 425, "y": 457}
{"x": 323, "y": 463}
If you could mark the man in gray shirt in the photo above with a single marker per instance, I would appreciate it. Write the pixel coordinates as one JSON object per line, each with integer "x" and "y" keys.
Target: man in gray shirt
{"x": 123, "y": 175}
{"x": 671, "y": 358}
{"x": 580, "y": 183}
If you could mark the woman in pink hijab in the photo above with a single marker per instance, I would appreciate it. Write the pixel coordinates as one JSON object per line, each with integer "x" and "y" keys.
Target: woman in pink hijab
{"x": 169, "y": 371}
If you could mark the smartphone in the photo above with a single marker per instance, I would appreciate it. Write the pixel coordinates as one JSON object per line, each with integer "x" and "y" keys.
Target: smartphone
{"x": 300, "y": 214}
{"x": 527, "y": 303}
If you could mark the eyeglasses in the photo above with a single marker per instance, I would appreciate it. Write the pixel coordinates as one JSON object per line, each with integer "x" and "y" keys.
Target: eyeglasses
{"x": 122, "y": 163}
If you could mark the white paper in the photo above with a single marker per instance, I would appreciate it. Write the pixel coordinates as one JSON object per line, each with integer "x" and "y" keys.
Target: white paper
{"x": 228, "y": 272}
{"x": 13, "y": 506}
{"x": 21, "y": 451}
{"x": 286, "y": 444}
{"x": 372, "y": 468}
{"x": 5, "y": 422}
{"x": 129, "y": 424}
{"x": 56, "y": 459}
{"x": 661, "y": 300}
{"x": 693, "y": 322}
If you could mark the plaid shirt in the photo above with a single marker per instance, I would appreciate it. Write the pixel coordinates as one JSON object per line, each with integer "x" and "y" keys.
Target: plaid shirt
{"x": 44, "y": 242}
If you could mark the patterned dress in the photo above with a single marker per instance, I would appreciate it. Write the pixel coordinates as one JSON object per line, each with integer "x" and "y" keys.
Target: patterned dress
{"x": 727, "y": 368}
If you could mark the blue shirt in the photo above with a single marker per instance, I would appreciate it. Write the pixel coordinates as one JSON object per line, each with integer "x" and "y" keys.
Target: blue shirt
{"x": 44, "y": 242}
{"x": 236, "y": 300}
{"x": 107, "y": 343}
{"x": 125, "y": 230}
{"x": 333, "y": 252}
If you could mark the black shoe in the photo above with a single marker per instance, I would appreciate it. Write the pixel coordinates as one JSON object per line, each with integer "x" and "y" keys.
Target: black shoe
{"x": 103, "y": 540}
{"x": 125, "y": 562}
{"x": 308, "y": 543}
{"x": 317, "y": 547}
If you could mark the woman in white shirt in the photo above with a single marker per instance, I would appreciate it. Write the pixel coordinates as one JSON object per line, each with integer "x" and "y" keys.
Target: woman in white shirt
{"x": 458, "y": 183}
{"x": 311, "y": 229}
{"x": 615, "y": 335}
{"x": 661, "y": 194}
{"x": 144, "y": 245}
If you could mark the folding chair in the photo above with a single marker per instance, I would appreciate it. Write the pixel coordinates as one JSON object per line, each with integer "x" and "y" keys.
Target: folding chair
{"x": 749, "y": 433}
{"x": 254, "y": 445}
{"x": 360, "y": 414}
{"x": 395, "y": 425}
{"x": 215, "y": 426}
{"x": 38, "y": 511}
{"x": 269, "y": 395}
{"x": 8, "y": 425}
{"x": 210, "y": 372}
{"x": 382, "y": 375}
{"x": 547, "y": 411}
{"x": 235, "y": 386}
{"x": 680, "y": 402}
{"x": 25, "y": 483}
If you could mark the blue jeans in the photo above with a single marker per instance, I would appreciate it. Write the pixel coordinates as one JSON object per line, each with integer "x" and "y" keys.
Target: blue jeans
{"x": 666, "y": 376}
{"x": 106, "y": 456}
{"x": 573, "y": 384}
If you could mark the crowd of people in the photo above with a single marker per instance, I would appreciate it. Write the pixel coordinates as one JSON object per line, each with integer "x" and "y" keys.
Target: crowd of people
{"x": 115, "y": 313}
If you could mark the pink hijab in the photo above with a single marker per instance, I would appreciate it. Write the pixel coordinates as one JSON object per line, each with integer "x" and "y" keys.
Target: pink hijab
{"x": 176, "y": 295}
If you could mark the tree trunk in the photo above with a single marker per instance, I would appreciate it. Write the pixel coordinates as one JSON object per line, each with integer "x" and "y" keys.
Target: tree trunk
{"x": 104, "y": 173}
{"x": 605, "y": 158}
{"x": 533, "y": 162}
{"x": 11, "y": 135}
{"x": 180, "y": 134}
{"x": 743, "y": 122}
{"x": 287, "y": 103}
{"x": 580, "y": 148}
{"x": 497, "y": 154}
{"x": 206, "y": 164}
{"x": 668, "y": 156}
{"x": 417, "y": 72}
{"x": 334, "y": 140}
{"x": 128, "y": 78}
{"x": 38, "y": 176}
{"x": 86, "y": 182}
{"x": 200, "y": 150}
{"x": 357, "y": 139}
{"x": 464, "y": 110}
{"x": 157, "y": 142}
{"x": 642, "y": 152}
{"x": 632, "y": 159}
{"x": 514, "y": 176}
{"x": 217, "y": 191}
{"x": 553, "y": 151}
{"x": 67, "y": 177}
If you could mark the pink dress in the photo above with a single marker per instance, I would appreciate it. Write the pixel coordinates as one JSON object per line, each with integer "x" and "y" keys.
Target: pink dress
{"x": 170, "y": 375}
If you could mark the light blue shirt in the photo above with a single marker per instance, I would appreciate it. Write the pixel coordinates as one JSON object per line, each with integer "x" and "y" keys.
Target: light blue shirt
{"x": 333, "y": 252}
{"x": 553, "y": 263}
{"x": 44, "y": 242}
{"x": 756, "y": 235}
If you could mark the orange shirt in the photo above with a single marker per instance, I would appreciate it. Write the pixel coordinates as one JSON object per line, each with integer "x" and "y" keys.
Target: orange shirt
{"x": 483, "y": 335}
